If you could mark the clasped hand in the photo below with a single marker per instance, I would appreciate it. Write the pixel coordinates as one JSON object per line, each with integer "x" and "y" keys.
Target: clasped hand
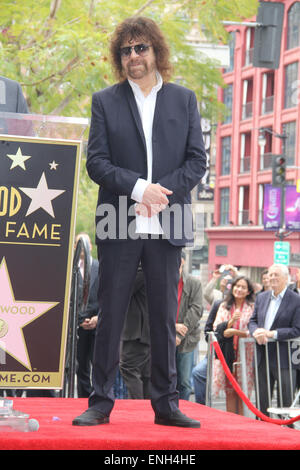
{"x": 154, "y": 200}
{"x": 262, "y": 335}
{"x": 89, "y": 323}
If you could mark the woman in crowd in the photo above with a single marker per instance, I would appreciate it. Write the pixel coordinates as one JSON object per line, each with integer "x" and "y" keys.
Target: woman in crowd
{"x": 231, "y": 323}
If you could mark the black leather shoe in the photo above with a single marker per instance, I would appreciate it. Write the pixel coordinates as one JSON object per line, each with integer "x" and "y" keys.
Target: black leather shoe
{"x": 90, "y": 417}
{"x": 176, "y": 418}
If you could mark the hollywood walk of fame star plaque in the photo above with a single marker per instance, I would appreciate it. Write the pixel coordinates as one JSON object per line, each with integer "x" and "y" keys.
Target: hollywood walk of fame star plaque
{"x": 38, "y": 193}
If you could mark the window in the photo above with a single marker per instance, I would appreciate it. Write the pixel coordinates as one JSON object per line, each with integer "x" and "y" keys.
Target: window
{"x": 267, "y": 93}
{"x": 224, "y": 206}
{"x": 245, "y": 161}
{"x": 293, "y": 28}
{"x": 226, "y": 155}
{"x": 291, "y": 76}
{"x": 227, "y": 99}
{"x": 231, "y": 45}
{"x": 290, "y": 142}
{"x": 266, "y": 152}
{"x": 247, "y": 99}
{"x": 244, "y": 205}
{"x": 261, "y": 190}
{"x": 249, "y": 46}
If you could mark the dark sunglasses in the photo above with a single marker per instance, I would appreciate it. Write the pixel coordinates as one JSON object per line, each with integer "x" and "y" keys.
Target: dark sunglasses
{"x": 139, "y": 49}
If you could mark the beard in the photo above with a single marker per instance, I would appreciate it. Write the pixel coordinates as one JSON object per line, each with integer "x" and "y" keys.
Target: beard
{"x": 139, "y": 68}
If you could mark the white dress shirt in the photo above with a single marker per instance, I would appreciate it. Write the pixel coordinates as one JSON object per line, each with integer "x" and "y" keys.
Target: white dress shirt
{"x": 274, "y": 305}
{"x": 146, "y": 108}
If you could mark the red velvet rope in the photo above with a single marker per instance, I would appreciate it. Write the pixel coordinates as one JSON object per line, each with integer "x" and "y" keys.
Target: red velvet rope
{"x": 244, "y": 397}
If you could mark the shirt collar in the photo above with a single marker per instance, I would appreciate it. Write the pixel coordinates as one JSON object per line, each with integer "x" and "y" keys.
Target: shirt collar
{"x": 280, "y": 295}
{"x": 136, "y": 89}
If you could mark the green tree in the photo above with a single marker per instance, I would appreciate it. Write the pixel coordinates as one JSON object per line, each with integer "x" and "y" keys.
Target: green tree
{"x": 58, "y": 51}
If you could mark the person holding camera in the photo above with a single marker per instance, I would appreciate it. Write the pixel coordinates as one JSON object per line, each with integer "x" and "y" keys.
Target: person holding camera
{"x": 220, "y": 283}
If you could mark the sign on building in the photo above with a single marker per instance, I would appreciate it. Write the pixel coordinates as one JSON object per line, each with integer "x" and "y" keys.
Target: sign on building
{"x": 272, "y": 207}
{"x": 282, "y": 253}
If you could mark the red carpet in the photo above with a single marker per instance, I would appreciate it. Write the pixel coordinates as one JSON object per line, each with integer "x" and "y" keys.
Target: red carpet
{"x": 132, "y": 428}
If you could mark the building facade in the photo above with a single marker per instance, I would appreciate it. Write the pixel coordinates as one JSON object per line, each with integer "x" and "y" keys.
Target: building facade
{"x": 256, "y": 99}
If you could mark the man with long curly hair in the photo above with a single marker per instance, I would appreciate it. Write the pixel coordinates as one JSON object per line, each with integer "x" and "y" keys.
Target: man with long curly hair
{"x": 146, "y": 153}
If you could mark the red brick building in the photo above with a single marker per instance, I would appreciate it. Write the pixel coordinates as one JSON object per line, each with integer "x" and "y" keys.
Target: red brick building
{"x": 255, "y": 98}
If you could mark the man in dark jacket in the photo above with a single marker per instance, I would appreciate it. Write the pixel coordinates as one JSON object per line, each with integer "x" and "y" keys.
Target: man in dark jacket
{"x": 11, "y": 101}
{"x": 189, "y": 312}
{"x": 11, "y": 97}
{"x": 135, "y": 345}
{"x": 146, "y": 153}
{"x": 87, "y": 322}
{"x": 276, "y": 316}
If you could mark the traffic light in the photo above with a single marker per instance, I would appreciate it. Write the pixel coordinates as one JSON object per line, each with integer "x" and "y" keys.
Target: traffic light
{"x": 278, "y": 170}
{"x": 267, "y": 36}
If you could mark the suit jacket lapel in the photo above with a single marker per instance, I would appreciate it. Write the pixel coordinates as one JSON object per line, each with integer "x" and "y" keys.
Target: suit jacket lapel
{"x": 158, "y": 107}
{"x": 282, "y": 307}
{"x": 265, "y": 307}
{"x": 135, "y": 112}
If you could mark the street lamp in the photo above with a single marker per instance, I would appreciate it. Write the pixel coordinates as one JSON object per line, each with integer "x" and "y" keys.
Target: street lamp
{"x": 262, "y": 137}
{"x": 262, "y": 140}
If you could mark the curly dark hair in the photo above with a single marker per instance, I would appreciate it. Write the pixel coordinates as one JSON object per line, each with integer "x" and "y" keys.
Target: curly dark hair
{"x": 229, "y": 300}
{"x": 140, "y": 27}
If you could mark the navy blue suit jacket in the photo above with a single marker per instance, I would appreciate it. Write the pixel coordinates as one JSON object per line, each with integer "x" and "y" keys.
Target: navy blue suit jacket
{"x": 11, "y": 97}
{"x": 117, "y": 152}
{"x": 286, "y": 323}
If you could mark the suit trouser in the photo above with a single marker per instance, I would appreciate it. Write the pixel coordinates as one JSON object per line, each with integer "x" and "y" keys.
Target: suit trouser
{"x": 135, "y": 368}
{"x": 118, "y": 263}
{"x": 287, "y": 393}
{"x": 85, "y": 348}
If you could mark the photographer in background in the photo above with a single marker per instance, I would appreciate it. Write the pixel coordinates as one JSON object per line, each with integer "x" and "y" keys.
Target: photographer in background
{"x": 220, "y": 283}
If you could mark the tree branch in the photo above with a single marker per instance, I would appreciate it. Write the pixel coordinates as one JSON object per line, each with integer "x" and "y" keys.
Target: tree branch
{"x": 177, "y": 7}
{"x": 73, "y": 63}
{"x": 143, "y": 7}
{"x": 62, "y": 105}
{"x": 55, "y": 4}
{"x": 91, "y": 8}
